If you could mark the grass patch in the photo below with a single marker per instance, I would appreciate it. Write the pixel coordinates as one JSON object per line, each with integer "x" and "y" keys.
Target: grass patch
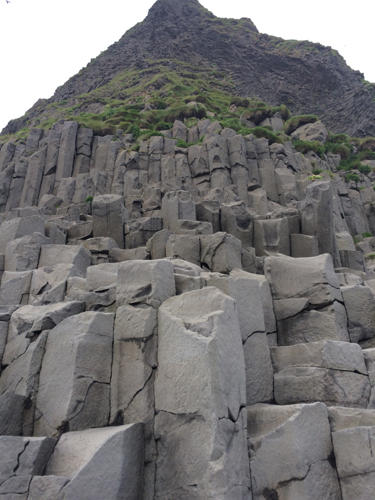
{"x": 307, "y": 146}
{"x": 297, "y": 121}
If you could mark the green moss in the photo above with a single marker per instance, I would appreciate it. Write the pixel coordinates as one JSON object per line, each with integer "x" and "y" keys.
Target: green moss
{"x": 352, "y": 177}
{"x": 343, "y": 150}
{"x": 306, "y": 146}
{"x": 181, "y": 143}
{"x": 367, "y": 144}
{"x": 266, "y": 133}
{"x": 297, "y": 121}
{"x": 364, "y": 169}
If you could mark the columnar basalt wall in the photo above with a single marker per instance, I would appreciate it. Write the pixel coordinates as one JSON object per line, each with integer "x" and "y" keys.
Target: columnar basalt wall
{"x": 191, "y": 323}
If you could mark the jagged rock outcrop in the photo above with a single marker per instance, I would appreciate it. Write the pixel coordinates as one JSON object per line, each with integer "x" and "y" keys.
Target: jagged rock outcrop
{"x": 307, "y": 77}
{"x": 185, "y": 339}
{"x": 189, "y": 315}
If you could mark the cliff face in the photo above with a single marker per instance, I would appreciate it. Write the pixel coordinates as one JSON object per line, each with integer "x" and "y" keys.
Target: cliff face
{"x": 163, "y": 307}
{"x": 308, "y": 78}
{"x": 189, "y": 312}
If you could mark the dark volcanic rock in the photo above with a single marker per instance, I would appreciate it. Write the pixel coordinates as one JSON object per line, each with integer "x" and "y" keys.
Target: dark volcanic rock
{"x": 307, "y": 77}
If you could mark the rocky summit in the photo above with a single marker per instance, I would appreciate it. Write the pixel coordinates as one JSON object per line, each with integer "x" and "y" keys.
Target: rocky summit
{"x": 307, "y": 77}
{"x": 187, "y": 299}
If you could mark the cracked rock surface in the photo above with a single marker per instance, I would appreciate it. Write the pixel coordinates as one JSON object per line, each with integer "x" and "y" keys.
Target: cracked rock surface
{"x": 184, "y": 320}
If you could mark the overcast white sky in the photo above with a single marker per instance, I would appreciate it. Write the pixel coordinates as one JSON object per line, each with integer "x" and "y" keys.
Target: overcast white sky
{"x": 44, "y": 42}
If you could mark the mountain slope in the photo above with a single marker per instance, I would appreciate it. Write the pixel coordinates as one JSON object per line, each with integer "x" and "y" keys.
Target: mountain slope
{"x": 307, "y": 77}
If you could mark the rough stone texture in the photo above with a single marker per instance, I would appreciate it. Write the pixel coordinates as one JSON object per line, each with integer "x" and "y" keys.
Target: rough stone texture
{"x": 183, "y": 246}
{"x": 220, "y": 252}
{"x": 317, "y": 217}
{"x": 18, "y": 227}
{"x": 134, "y": 363}
{"x": 46, "y": 487}
{"x": 355, "y": 462}
{"x": 303, "y": 245}
{"x": 22, "y": 254}
{"x": 22, "y": 457}
{"x": 75, "y": 375}
{"x": 334, "y": 387}
{"x": 177, "y": 205}
{"x": 109, "y": 217}
{"x": 332, "y": 372}
{"x": 86, "y": 218}
{"x": 245, "y": 290}
{"x": 200, "y": 431}
{"x": 72, "y": 254}
{"x": 325, "y": 354}
{"x": 312, "y": 132}
{"x": 142, "y": 282}
{"x": 290, "y": 451}
{"x": 272, "y": 236}
{"x": 360, "y": 308}
{"x": 115, "y": 451}
{"x": 307, "y": 299}
{"x": 346, "y": 418}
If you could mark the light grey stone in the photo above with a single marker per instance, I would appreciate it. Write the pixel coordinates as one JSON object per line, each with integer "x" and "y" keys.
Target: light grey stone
{"x": 75, "y": 375}
{"x": 20, "y": 379}
{"x": 355, "y": 462}
{"x": 33, "y": 179}
{"x": 220, "y": 252}
{"x": 134, "y": 363}
{"x": 187, "y": 276}
{"x": 324, "y": 354}
{"x": 15, "y": 287}
{"x": 120, "y": 255}
{"x": 316, "y": 278}
{"x": 22, "y": 457}
{"x": 312, "y": 132}
{"x": 117, "y": 452}
{"x": 22, "y": 254}
{"x": 66, "y": 150}
{"x": 272, "y": 236}
{"x": 236, "y": 220}
{"x": 156, "y": 245}
{"x": 46, "y": 487}
{"x": 329, "y": 322}
{"x": 317, "y": 217}
{"x": 290, "y": 448}
{"x": 109, "y": 216}
{"x": 341, "y": 418}
{"x": 65, "y": 254}
{"x": 360, "y": 308}
{"x": 18, "y": 227}
{"x": 48, "y": 284}
{"x": 193, "y": 227}
{"x": 28, "y": 321}
{"x": 310, "y": 384}
{"x": 102, "y": 276}
{"x": 177, "y": 205}
{"x": 185, "y": 247}
{"x": 142, "y": 282}
{"x": 200, "y": 428}
{"x": 303, "y": 245}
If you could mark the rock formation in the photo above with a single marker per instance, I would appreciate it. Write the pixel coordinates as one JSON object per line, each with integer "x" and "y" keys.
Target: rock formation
{"x": 307, "y": 77}
{"x": 189, "y": 315}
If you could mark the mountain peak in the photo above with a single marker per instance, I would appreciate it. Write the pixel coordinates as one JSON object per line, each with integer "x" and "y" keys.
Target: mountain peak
{"x": 307, "y": 77}
{"x": 173, "y": 8}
